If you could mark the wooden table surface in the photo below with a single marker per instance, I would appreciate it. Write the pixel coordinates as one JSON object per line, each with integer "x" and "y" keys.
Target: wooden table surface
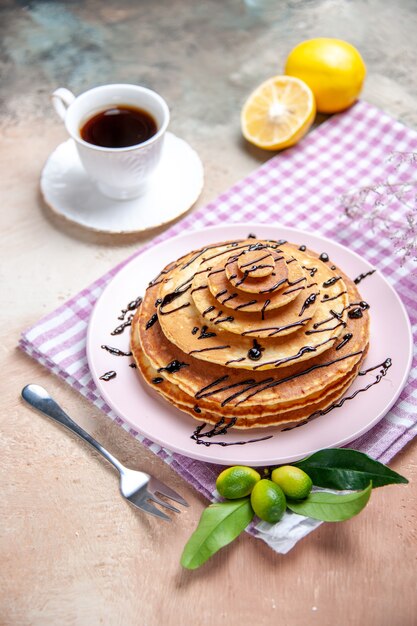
{"x": 71, "y": 551}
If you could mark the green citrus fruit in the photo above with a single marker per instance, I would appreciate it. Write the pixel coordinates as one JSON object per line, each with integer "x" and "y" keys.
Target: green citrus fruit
{"x": 268, "y": 501}
{"x": 293, "y": 481}
{"x": 236, "y": 482}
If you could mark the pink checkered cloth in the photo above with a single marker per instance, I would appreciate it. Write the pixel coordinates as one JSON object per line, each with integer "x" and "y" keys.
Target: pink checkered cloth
{"x": 349, "y": 180}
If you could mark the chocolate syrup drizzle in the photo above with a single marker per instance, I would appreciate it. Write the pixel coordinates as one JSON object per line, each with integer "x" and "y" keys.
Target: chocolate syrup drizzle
{"x": 242, "y": 280}
{"x": 108, "y": 375}
{"x": 156, "y": 280}
{"x": 216, "y": 317}
{"x": 116, "y": 351}
{"x": 344, "y": 341}
{"x": 231, "y": 297}
{"x": 119, "y": 329}
{"x": 299, "y": 354}
{"x": 359, "y": 278}
{"x": 131, "y": 306}
{"x": 158, "y": 380}
{"x": 201, "y": 252}
{"x": 268, "y": 385}
{"x": 212, "y": 272}
{"x": 308, "y": 302}
{"x": 277, "y": 329}
{"x": 199, "y": 288}
{"x": 293, "y": 357}
{"x": 324, "y": 330}
{"x": 385, "y": 365}
{"x": 208, "y": 349}
{"x": 220, "y": 428}
{"x": 255, "y": 353}
{"x": 173, "y": 367}
{"x": 204, "y": 334}
{"x": 256, "y": 387}
{"x": 255, "y": 246}
{"x": 266, "y": 303}
{"x": 229, "y": 318}
{"x": 265, "y": 256}
{"x": 278, "y": 284}
{"x": 334, "y": 315}
{"x": 208, "y": 310}
{"x": 295, "y": 282}
{"x": 151, "y": 321}
{"x": 331, "y": 281}
{"x": 312, "y": 270}
{"x": 355, "y": 313}
{"x": 173, "y": 295}
{"x": 295, "y": 289}
{"x": 178, "y": 308}
{"x": 245, "y": 304}
{"x": 199, "y": 393}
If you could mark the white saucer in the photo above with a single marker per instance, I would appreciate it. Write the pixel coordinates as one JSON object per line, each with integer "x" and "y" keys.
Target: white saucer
{"x": 171, "y": 191}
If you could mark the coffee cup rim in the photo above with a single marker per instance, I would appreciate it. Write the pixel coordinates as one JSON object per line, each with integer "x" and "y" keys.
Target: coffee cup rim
{"x": 153, "y": 139}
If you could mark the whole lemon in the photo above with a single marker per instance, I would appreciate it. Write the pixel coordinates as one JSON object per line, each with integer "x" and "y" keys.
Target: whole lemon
{"x": 237, "y": 481}
{"x": 333, "y": 69}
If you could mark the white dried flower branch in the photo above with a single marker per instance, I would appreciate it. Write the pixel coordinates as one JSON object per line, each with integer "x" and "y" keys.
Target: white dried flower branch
{"x": 390, "y": 207}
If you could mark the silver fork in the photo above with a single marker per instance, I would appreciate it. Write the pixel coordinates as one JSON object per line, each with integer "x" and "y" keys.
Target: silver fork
{"x": 138, "y": 488}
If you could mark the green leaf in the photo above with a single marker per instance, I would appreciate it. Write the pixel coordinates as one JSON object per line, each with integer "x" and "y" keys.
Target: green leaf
{"x": 219, "y": 524}
{"x": 331, "y": 507}
{"x": 341, "y": 468}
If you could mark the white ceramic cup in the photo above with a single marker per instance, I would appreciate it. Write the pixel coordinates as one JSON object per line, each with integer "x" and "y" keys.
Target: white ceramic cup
{"x": 119, "y": 173}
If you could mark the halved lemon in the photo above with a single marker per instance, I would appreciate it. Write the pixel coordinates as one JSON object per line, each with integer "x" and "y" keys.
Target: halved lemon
{"x": 278, "y": 113}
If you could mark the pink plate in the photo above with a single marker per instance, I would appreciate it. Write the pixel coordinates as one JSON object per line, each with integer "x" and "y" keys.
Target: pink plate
{"x": 149, "y": 414}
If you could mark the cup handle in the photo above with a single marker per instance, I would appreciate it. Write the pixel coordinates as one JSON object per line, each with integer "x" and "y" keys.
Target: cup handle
{"x": 61, "y": 99}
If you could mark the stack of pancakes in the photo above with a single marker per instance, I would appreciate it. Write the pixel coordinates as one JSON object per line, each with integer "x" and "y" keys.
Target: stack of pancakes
{"x": 251, "y": 332}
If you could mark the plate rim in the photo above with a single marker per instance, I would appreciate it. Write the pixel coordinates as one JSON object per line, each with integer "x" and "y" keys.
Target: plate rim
{"x": 211, "y": 457}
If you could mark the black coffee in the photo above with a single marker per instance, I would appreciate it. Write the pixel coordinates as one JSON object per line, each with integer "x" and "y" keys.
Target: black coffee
{"x": 119, "y": 127}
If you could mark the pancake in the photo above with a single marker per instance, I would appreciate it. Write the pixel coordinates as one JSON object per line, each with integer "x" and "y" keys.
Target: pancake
{"x": 269, "y": 416}
{"x": 235, "y": 299}
{"x": 244, "y": 317}
{"x": 244, "y": 274}
{"x": 195, "y": 374}
{"x": 252, "y": 376}
{"x": 229, "y": 339}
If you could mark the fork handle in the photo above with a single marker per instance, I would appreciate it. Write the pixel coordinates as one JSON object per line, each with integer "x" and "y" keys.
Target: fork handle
{"x": 39, "y": 398}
